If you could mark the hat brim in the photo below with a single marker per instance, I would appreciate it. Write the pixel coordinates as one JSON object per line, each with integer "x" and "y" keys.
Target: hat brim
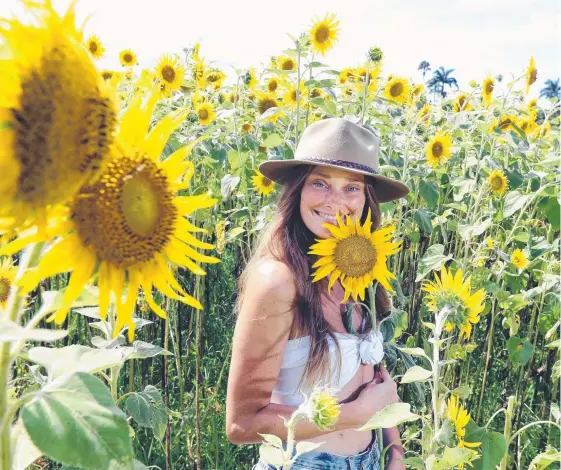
{"x": 387, "y": 189}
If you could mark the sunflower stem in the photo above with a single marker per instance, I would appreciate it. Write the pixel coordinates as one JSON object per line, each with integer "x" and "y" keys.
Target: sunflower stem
{"x": 508, "y": 428}
{"x": 12, "y": 313}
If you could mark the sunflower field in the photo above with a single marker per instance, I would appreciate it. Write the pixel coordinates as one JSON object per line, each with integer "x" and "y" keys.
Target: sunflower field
{"x": 130, "y": 202}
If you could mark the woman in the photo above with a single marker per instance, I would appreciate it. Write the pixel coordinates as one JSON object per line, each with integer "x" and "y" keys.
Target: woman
{"x": 290, "y": 335}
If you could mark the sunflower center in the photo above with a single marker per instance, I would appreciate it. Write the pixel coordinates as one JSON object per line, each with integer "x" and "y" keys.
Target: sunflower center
{"x": 533, "y": 76}
{"x": 63, "y": 128}
{"x": 168, "y": 73}
{"x": 107, "y": 75}
{"x": 437, "y": 149}
{"x": 496, "y": 183}
{"x": 203, "y": 113}
{"x": 316, "y": 92}
{"x": 128, "y": 215}
{"x": 93, "y": 47}
{"x": 505, "y": 124}
{"x": 272, "y": 85}
{"x": 489, "y": 87}
{"x": 265, "y": 104}
{"x": 288, "y": 64}
{"x": 355, "y": 256}
{"x": 4, "y": 289}
{"x": 127, "y": 58}
{"x": 396, "y": 89}
{"x": 266, "y": 182}
{"x": 322, "y": 34}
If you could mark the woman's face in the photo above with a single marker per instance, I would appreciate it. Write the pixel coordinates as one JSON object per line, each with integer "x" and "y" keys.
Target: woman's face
{"x": 327, "y": 191}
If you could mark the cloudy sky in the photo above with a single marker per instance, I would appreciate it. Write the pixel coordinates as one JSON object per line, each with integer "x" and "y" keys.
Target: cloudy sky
{"x": 475, "y": 37}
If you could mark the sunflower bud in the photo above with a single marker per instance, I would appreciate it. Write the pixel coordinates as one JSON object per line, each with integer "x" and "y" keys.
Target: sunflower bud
{"x": 322, "y": 409}
{"x": 375, "y": 54}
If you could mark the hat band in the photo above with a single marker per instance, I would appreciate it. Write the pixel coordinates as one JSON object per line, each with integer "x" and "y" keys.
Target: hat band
{"x": 343, "y": 163}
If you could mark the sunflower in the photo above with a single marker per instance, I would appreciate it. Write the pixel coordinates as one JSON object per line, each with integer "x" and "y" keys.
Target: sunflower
{"x": 129, "y": 225}
{"x": 199, "y": 71}
{"x": 170, "y": 72}
{"x": 246, "y": 127}
{"x": 263, "y": 185}
{"x": 250, "y": 79}
{"x": 417, "y": 90}
{"x": 215, "y": 78}
{"x": 497, "y": 182}
{"x": 355, "y": 255}
{"x": 57, "y": 116}
{"x": 205, "y": 113}
{"x": 528, "y": 125}
{"x": 439, "y": 149}
{"x": 93, "y": 44}
{"x": 272, "y": 84}
{"x": 458, "y": 415}
{"x": 531, "y": 74}
{"x": 454, "y": 291}
{"x": 397, "y": 89}
{"x": 487, "y": 90}
{"x": 324, "y": 34}
{"x": 128, "y": 58}
{"x": 7, "y": 275}
{"x": 344, "y": 76}
{"x": 503, "y": 123}
{"x": 519, "y": 259}
{"x": 461, "y": 103}
{"x": 532, "y": 104}
{"x": 286, "y": 63}
{"x": 289, "y": 98}
{"x": 423, "y": 115}
{"x": 316, "y": 93}
{"x": 266, "y": 101}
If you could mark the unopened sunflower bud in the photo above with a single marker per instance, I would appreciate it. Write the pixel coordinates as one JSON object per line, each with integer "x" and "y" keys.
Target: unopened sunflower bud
{"x": 322, "y": 409}
{"x": 375, "y": 54}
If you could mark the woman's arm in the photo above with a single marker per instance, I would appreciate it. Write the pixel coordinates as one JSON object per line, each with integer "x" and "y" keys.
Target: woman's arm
{"x": 396, "y": 451}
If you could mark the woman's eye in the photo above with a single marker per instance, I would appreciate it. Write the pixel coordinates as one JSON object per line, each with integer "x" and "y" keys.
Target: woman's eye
{"x": 353, "y": 189}
{"x": 316, "y": 183}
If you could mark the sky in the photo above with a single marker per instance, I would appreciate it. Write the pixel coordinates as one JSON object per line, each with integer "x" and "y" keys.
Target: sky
{"x": 474, "y": 37}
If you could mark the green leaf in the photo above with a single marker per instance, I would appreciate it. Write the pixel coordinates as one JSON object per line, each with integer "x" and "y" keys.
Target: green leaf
{"x": 463, "y": 391}
{"x": 52, "y": 300}
{"x": 143, "y": 350}
{"x": 413, "y": 351}
{"x": 452, "y": 457}
{"x": 11, "y": 331}
{"x": 74, "y": 420}
{"x": 491, "y": 450}
{"x": 273, "y": 140}
{"x": 24, "y": 452}
{"x": 519, "y": 351}
{"x": 413, "y": 462}
{"x": 545, "y": 459}
{"x": 514, "y": 201}
{"x": 552, "y": 211}
{"x": 61, "y": 361}
{"x": 416, "y": 374}
{"x": 429, "y": 192}
{"x": 147, "y": 408}
{"x": 423, "y": 220}
{"x": 433, "y": 259}
{"x": 303, "y": 446}
{"x": 390, "y": 416}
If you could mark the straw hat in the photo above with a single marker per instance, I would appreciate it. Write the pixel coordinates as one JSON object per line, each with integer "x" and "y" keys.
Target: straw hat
{"x": 338, "y": 143}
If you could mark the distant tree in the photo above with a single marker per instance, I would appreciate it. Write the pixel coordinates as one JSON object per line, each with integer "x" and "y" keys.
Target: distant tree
{"x": 551, "y": 90}
{"x": 440, "y": 79}
{"x": 425, "y": 67}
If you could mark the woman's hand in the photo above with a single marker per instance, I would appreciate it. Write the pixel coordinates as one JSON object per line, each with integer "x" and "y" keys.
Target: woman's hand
{"x": 376, "y": 395}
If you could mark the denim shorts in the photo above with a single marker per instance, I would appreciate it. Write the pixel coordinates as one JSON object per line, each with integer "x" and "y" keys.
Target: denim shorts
{"x": 368, "y": 459}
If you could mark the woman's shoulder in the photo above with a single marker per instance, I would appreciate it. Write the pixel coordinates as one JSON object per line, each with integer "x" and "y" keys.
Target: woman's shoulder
{"x": 270, "y": 276}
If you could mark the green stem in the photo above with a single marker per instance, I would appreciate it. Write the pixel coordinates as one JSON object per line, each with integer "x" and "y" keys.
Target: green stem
{"x": 14, "y": 307}
{"x": 490, "y": 339}
{"x": 508, "y": 429}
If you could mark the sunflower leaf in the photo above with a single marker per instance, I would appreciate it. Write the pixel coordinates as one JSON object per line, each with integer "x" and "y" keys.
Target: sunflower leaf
{"x": 390, "y": 416}
{"x": 433, "y": 259}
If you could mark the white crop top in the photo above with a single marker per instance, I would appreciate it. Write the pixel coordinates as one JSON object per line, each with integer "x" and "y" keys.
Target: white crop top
{"x": 354, "y": 350}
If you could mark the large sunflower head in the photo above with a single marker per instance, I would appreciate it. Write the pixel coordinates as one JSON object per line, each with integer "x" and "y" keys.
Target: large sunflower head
{"x": 487, "y": 90}
{"x": 57, "y": 116}
{"x": 531, "y": 74}
{"x": 7, "y": 275}
{"x": 130, "y": 226}
{"x": 170, "y": 72}
{"x": 95, "y": 47}
{"x": 455, "y": 292}
{"x": 498, "y": 182}
{"x": 263, "y": 185}
{"x": 205, "y": 113}
{"x": 439, "y": 149}
{"x": 324, "y": 34}
{"x": 397, "y": 89}
{"x": 462, "y": 103}
{"x": 128, "y": 58}
{"x": 355, "y": 256}
{"x": 286, "y": 63}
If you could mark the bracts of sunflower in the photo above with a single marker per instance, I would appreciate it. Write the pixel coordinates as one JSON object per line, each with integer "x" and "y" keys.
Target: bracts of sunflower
{"x": 57, "y": 115}
{"x": 128, "y": 228}
{"x": 355, "y": 256}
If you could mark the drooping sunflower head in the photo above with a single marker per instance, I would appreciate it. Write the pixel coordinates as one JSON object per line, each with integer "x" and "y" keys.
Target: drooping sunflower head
{"x": 170, "y": 72}
{"x": 439, "y": 149}
{"x": 205, "y": 113}
{"x": 57, "y": 116}
{"x": 324, "y": 34}
{"x": 397, "y": 89}
{"x": 129, "y": 226}
{"x": 355, "y": 256}
{"x": 487, "y": 89}
{"x": 531, "y": 74}
{"x": 7, "y": 276}
{"x": 519, "y": 259}
{"x": 128, "y": 58}
{"x": 263, "y": 185}
{"x": 322, "y": 408}
{"x": 95, "y": 47}
{"x": 461, "y": 103}
{"x": 498, "y": 182}
{"x": 454, "y": 292}
{"x": 286, "y": 63}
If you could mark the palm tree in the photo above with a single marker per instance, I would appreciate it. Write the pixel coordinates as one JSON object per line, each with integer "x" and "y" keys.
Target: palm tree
{"x": 551, "y": 90}
{"x": 425, "y": 67}
{"x": 440, "y": 79}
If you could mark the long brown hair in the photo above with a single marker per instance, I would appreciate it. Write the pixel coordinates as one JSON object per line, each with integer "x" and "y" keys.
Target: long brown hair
{"x": 287, "y": 239}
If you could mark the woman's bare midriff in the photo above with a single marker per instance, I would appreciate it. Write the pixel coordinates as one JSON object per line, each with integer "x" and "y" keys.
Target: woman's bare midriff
{"x": 348, "y": 441}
